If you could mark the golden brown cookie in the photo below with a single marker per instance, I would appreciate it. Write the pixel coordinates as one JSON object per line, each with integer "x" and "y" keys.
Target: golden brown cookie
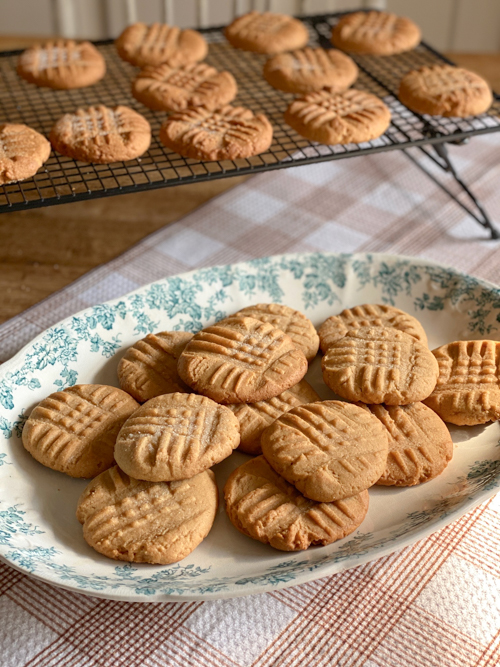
{"x": 369, "y": 315}
{"x": 308, "y": 69}
{"x": 101, "y": 134}
{"x": 159, "y": 43}
{"x": 338, "y": 118}
{"x": 296, "y": 325}
{"x": 468, "y": 387}
{"x": 166, "y": 88}
{"x": 176, "y": 436}
{"x": 264, "y": 506}
{"x": 74, "y": 430}
{"x": 375, "y": 33}
{"x": 266, "y": 33}
{"x": 420, "y": 445}
{"x": 149, "y": 368}
{"x": 241, "y": 360}
{"x": 379, "y": 365}
{"x": 444, "y": 90}
{"x": 328, "y": 450}
{"x": 147, "y": 522}
{"x": 225, "y": 134}
{"x": 22, "y": 152}
{"x": 62, "y": 64}
{"x": 255, "y": 417}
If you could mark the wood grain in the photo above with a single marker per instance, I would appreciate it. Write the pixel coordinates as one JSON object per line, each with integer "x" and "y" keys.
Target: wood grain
{"x": 43, "y": 250}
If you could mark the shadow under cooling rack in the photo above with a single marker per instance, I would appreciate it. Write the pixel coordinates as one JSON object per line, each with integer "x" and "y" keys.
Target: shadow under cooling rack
{"x": 63, "y": 180}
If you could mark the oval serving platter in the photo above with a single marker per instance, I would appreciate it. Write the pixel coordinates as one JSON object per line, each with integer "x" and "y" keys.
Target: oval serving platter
{"x": 39, "y": 533}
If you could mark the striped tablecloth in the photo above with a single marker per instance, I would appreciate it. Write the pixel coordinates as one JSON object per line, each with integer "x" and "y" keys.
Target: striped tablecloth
{"x": 436, "y": 603}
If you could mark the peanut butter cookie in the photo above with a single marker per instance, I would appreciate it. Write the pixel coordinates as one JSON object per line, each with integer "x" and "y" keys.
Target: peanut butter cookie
{"x": 375, "y": 33}
{"x": 266, "y": 32}
{"x": 22, "y": 152}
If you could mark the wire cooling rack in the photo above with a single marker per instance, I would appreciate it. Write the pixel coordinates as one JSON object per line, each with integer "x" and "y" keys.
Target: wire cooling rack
{"x": 63, "y": 180}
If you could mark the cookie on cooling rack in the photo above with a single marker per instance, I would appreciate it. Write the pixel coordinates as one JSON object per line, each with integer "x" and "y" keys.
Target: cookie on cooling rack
{"x": 467, "y": 391}
{"x": 306, "y": 70}
{"x": 74, "y": 430}
{"x": 176, "y": 436}
{"x": 167, "y": 88}
{"x": 23, "y": 151}
{"x": 444, "y": 90}
{"x": 101, "y": 134}
{"x": 227, "y": 133}
{"x": 375, "y": 33}
{"x": 338, "y": 118}
{"x": 265, "y": 32}
{"x": 141, "y": 45}
{"x": 62, "y": 64}
{"x": 369, "y": 315}
{"x": 264, "y": 506}
{"x": 147, "y": 522}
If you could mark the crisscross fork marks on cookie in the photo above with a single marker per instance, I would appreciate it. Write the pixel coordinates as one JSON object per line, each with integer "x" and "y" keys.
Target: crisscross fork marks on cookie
{"x": 227, "y": 123}
{"x": 96, "y": 122}
{"x": 254, "y": 24}
{"x": 323, "y": 107}
{"x": 159, "y": 39}
{"x": 52, "y": 55}
{"x": 380, "y": 25}
{"x": 469, "y": 365}
{"x": 442, "y": 80}
{"x": 189, "y": 77}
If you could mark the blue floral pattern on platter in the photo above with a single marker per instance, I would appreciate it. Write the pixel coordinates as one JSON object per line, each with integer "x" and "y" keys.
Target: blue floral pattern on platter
{"x": 82, "y": 349}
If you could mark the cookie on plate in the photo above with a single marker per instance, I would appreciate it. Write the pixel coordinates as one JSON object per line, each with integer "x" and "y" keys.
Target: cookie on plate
{"x": 266, "y": 33}
{"x": 167, "y": 88}
{"x": 176, "y": 436}
{"x": 338, "y": 118}
{"x": 241, "y": 360}
{"x": 444, "y": 90}
{"x": 264, "y": 506}
{"x": 74, "y": 430}
{"x": 254, "y": 418}
{"x": 306, "y": 70}
{"x": 369, "y": 315}
{"x": 467, "y": 391}
{"x": 379, "y": 365}
{"x": 296, "y": 325}
{"x": 420, "y": 445}
{"x": 227, "y": 133}
{"x": 147, "y": 522}
{"x": 62, "y": 64}
{"x": 101, "y": 134}
{"x": 22, "y": 152}
{"x": 328, "y": 450}
{"x": 149, "y": 367}
{"x": 376, "y": 33}
{"x": 141, "y": 45}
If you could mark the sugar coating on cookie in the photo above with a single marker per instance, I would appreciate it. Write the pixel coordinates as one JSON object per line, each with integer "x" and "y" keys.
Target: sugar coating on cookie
{"x": 264, "y": 506}
{"x": 338, "y": 118}
{"x": 23, "y": 151}
{"x": 308, "y": 69}
{"x": 296, "y": 325}
{"x": 241, "y": 360}
{"x": 147, "y": 522}
{"x": 149, "y": 367}
{"x": 227, "y": 133}
{"x": 375, "y": 33}
{"x": 467, "y": 391}
{"x": 101, "y": 134}
{"x": 420, "y": 445}
{"x": 176, "y": 436}
{"x": 62, "y": 64}
{"x": 141, "y": 45}
{"x": 328, "y": 450}
{"x": 266, "y": 32}
{"x": 167, "y": 88}
{"x": 254, "y": 418}
{"x": 369, "y": 315}
{"x": 380, "y": 365}
{"x": 74, "y": 430}
{"x": 445, "y": 90}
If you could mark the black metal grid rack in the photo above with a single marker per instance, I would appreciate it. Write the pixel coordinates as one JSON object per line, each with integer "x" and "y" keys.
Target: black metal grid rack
{"x": 63, "y": 179}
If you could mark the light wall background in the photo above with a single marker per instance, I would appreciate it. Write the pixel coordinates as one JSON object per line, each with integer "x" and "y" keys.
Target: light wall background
{"x": 452, "y": 25}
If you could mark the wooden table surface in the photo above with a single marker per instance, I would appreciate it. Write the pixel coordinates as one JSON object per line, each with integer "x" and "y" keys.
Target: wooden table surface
{"x": 45, "y": 249}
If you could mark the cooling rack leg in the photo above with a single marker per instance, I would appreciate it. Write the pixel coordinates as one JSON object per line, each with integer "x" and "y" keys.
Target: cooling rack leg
{"x": 442, "y": 159}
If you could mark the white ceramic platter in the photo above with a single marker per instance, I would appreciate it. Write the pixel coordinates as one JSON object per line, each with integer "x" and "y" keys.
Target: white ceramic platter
{"x": 39, "y": 533}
